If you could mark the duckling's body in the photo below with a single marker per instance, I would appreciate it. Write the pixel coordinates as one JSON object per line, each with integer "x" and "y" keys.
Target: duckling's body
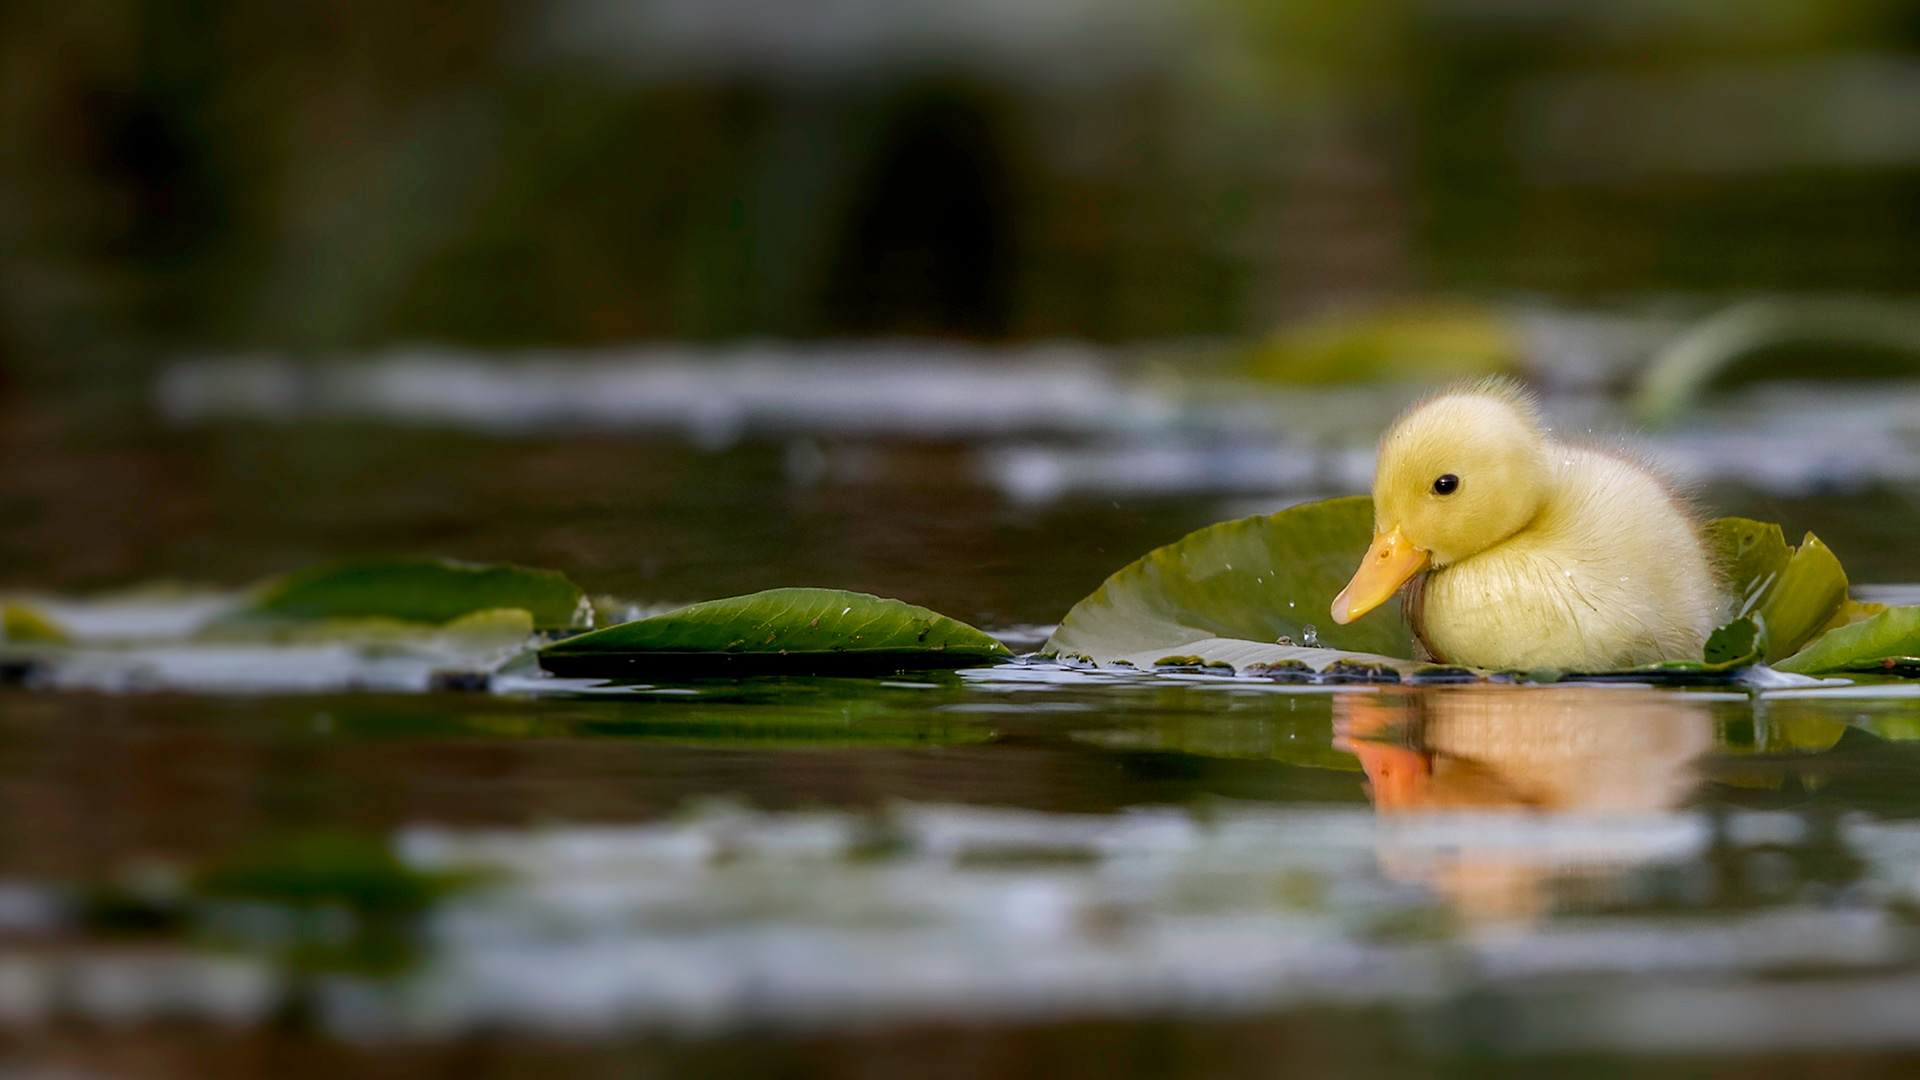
{"x": 1610, "y": 574}
{"x": 1531, "y": 553}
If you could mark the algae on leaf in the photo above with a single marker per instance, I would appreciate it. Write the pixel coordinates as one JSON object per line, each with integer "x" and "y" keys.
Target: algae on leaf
{"x": 1258, "y": 590}
{"x": 417, "y": 590}
{"x": 780, "y": 631}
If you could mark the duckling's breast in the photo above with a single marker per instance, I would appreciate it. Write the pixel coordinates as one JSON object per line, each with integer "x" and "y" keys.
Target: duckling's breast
{"x": 1611, "y": 574}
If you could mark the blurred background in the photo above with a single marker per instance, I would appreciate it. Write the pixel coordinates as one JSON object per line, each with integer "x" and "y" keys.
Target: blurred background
{"x": 970, "y": 303}
{"x": 961, "y": 302}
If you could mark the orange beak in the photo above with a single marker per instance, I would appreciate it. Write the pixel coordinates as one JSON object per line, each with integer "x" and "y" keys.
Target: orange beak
{"x": 1389, "y": 563}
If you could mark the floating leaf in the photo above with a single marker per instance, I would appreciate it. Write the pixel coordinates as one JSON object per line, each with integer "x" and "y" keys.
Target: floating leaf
{"x": 1729, "y": 649}
{"x": 1790, "y": 594}
{"x": 1751, "y": 555}
{"x": 1809, "y": 592}
{"x": 1734, "y": 643}
{"x": 24, "y": 623}
{"x": 1231, "y": 592}
{"x": 1849, "y": 612}
{"x": 418, "y": 590}
{"x": 1877, "y": 643}
{"x": 780, "y": 631}
{"x": 1433, "y": 342}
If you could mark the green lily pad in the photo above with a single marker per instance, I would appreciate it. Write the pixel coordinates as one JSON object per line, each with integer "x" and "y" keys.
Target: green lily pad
{"x": 1735, "y": 643}
{"x": 1242, "y": 594}
{"x": 1429, "y": 342}
{"x": 23, "y": 622}
{"x": 1874, "y": 644}
{"x": 417, "y": 590}
{"x": 780, "y": 631}
{"x": 1230, "y": 593}
{"x": 1789, "y": 593}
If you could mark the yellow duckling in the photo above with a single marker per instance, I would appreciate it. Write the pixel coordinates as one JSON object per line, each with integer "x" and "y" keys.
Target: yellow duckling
{"x": 1535, "y": 553}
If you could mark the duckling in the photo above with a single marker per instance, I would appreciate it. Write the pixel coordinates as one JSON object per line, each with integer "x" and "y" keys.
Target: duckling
{"x": 1525, "y": 552}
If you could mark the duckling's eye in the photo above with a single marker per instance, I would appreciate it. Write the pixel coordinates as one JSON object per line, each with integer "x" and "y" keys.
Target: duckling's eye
{"x": 1446, "y": 485}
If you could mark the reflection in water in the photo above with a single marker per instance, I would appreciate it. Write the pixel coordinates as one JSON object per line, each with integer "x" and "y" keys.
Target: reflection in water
{"x": 1005, "y": 848}
{"x": 1572, "y": 752}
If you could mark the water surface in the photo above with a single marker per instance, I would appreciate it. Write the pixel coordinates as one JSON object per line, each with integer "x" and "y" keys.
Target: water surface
{"x": 221, "y": 863}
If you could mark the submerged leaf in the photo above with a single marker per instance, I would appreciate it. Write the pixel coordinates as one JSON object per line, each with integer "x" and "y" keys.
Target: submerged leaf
{"x": 418, "y": 590}
{"x": 1871, "y": 644}
{"x": 1231, "y": 592}
{"x": 780, "y": 631}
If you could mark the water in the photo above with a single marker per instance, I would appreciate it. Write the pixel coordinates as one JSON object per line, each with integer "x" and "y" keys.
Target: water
{"x": 215, "y": 861}
{"x": 807, "y": 863}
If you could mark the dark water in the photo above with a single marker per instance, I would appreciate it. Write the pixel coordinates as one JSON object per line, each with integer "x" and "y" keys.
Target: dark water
{"x": 1021, "y": 871}
{"x": 1017, "y": 870}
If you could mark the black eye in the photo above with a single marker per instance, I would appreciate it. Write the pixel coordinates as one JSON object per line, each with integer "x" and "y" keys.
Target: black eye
{"x": 1446, "y": 485}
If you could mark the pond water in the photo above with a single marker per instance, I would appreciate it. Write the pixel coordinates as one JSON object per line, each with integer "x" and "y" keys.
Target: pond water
{"x": 833, "y": 874}
{"x": 215, "y": 861}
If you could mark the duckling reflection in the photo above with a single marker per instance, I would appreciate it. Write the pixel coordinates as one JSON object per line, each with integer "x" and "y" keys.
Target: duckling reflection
{"x": 1571, "y": 751}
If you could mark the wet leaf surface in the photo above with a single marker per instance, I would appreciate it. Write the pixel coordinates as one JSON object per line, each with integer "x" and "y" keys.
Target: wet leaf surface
{"x": 1876, "y": 643}
{"x": 781, "y": 632}
{"x": 1233, "y": 591}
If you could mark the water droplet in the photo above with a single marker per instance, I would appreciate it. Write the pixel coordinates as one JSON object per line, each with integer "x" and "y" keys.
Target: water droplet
{"x": 1623, "y": 577}
{"x": 1310, "y": 636}
{"x": 1289, "y": 603}
{"x": 1569, "y": 573}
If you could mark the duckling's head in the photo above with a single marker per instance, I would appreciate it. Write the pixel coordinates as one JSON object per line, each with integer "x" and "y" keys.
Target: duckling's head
{"x": 1457, "y": 475}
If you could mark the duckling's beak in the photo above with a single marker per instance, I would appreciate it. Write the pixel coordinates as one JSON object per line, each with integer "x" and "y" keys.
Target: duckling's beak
{"x": 1388, "y": 564}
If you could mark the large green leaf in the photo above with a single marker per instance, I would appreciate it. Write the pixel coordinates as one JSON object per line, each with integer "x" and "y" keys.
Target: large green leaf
{"x": 1790, "y": 594}
{"x": 1876, "y": 643}
{"x": 780, "y": 631}
{"x": 1229, "y": 593}
{"x": 420, "y": 590}
{"x": 1225, "y": 597}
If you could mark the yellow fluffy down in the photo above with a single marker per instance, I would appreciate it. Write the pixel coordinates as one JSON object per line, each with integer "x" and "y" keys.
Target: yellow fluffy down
{"x": 1544, "y": 554}
{"x": 1610, "y": 574}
